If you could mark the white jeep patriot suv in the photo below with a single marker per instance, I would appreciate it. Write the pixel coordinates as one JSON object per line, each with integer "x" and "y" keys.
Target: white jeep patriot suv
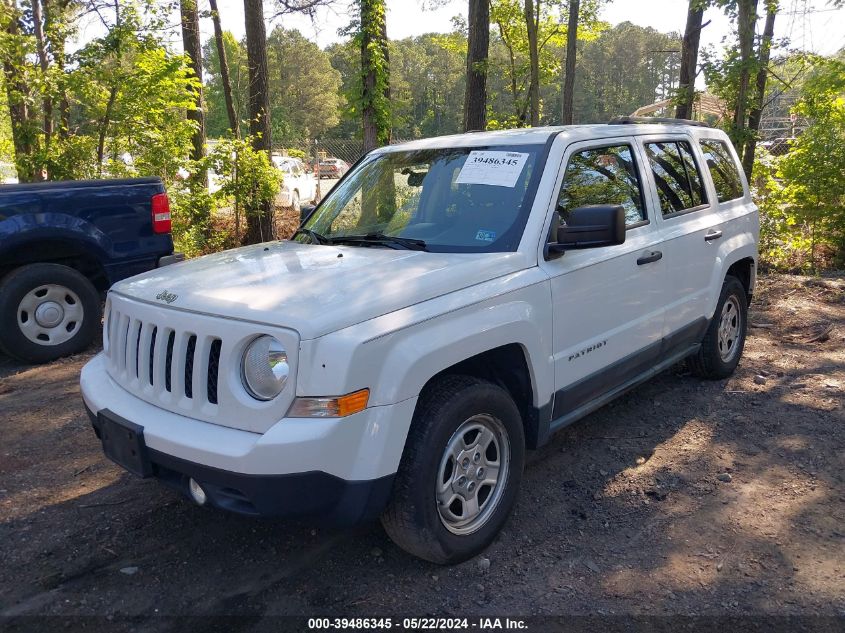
{"x": 450, "y": 304}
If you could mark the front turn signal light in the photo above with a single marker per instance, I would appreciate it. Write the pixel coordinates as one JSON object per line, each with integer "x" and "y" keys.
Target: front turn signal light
{"x": 338, "y": 407}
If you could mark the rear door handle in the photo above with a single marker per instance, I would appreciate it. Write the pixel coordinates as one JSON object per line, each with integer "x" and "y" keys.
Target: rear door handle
{"x": 653, "y": 256}
{"x": 712, "y": 235}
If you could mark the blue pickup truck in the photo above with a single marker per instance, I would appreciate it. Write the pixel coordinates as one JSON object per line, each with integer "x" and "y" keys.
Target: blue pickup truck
{"x": 62, "y": 244}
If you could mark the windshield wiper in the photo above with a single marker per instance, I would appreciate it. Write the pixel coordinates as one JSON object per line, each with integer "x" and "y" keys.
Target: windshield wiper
{"x": 316, "y": 238}
{"x": 381, "y": 238}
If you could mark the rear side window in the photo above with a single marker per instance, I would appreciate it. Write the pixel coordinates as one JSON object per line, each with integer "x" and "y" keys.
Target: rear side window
{"x": 677, "y": 177}
{"x": 602, "y": 175}
{"x": 726, "y": 178}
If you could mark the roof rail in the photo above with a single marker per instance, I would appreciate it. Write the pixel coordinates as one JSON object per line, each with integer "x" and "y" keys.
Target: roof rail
{"x": 624, "y": 120}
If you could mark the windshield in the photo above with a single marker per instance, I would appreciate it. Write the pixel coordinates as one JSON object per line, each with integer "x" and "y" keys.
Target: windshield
{"x": 464, "y": 200}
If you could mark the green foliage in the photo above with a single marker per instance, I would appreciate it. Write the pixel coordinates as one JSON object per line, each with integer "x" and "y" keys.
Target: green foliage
{"x": 217, "y": 120}
{"x": 244, "y": 179}
{"x": 722, "y": 71}
{"x": 623, "y": 69}
{"x": 304, "y": 88}
{"x": 801, "y": 194}
{"x": 428, "y": 75}
{"x": 783, "y": 243}
{"x": 127, "y": 94}
{"x": 814, "y": 170}
{"x": 192, "y": 209}
{"x": 345, "y": 58}
{"x": 248, "y": 178}
{"x": 509, "y": 56}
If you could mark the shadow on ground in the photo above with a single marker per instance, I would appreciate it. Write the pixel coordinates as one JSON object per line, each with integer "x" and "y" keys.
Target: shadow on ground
{"x": 683, "y": 497}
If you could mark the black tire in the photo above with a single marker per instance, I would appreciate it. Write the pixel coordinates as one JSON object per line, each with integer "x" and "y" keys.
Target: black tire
{"x": 23, "y": 281}
{"x": 295, "y": 202}
{"x": 412, "y": 518}
{"x": 708, "y": 362}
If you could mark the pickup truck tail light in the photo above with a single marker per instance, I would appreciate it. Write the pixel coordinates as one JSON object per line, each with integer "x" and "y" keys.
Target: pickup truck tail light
{"x": 161, "y": 213}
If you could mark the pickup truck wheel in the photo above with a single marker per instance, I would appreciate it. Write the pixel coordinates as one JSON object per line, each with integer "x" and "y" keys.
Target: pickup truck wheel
{"x": 47, "y": 311}
{"x": 724, "y": 341}
{"x": 459, "y": 476}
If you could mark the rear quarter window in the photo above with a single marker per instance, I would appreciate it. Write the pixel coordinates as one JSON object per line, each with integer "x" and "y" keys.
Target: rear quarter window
{"x": 723, "y": 170}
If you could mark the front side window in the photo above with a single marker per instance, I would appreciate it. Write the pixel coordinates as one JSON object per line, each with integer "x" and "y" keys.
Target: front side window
{"x": 726, "y": 178}
{"x": 473, "y": 199}
{"x": 676, "y": 175}
{"x": 602, "y": 175}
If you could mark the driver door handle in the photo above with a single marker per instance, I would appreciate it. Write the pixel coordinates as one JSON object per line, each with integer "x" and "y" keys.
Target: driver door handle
{"x": 648, "y": 258}
{"x": 712, "y": 235}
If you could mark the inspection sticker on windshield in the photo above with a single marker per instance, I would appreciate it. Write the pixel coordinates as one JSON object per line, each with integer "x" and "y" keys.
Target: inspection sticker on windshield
{"x": 501, "y": 169}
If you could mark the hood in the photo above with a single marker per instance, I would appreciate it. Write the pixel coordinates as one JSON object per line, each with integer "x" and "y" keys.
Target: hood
{"x": 314, "y": 289}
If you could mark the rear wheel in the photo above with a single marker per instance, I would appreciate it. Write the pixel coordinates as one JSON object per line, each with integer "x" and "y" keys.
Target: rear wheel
{"x": 295, "y": 203}
{"x": 460, "y": 473}
{"x": 724, "y": 341}
{"x": 47, "y": 311}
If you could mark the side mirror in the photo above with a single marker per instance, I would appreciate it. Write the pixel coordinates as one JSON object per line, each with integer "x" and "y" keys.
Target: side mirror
{"x": 305, "y": 211}
{"x": 590, "y": 227}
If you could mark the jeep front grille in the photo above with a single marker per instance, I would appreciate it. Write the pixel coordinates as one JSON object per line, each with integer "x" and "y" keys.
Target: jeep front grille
{"x": 158, "y": 359}
{"x": 189, "y": 363}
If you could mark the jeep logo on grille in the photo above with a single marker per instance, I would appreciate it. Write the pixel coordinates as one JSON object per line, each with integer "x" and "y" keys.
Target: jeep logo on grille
{"x": 166, "y": 296}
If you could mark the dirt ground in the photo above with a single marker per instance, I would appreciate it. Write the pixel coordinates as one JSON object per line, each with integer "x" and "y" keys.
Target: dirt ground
{"x": 683, "y": 497}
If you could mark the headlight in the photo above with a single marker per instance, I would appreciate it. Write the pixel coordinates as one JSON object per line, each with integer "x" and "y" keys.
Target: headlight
{"x": 265, "y": 368}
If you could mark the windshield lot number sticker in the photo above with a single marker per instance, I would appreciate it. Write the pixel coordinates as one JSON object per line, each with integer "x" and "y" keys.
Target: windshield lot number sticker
{"x": 485, "y": 236}
{"x": 500, "y": 169}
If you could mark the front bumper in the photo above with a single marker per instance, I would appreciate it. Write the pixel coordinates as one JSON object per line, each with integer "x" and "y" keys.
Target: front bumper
{"x": 336, "y": 470}
{"x": 316, "y": 495}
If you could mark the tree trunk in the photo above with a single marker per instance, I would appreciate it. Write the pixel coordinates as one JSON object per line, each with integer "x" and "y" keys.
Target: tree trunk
{"x": 104, "y": 128}
{"x": 56, "y": 39}
{"x": 38, "y": 19}
{"x": 566, "y": 114}
{"x": 193, "y": 49}
{"x": 534, "y": 62}
{"x": 689, "y": 61}
{"x": 259, "y": 221}
{"x": 478, "y": 47}
{"x": 17, "y": 94}
{"x": 234, "y": 123}
{"x": 375, "y": 74}
{"x": 747, "y": 18}
{"x": 760, "y": 92}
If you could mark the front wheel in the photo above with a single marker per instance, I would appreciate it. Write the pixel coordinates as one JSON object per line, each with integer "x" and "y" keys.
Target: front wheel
{"x": 724, "y": 341}
{"x": 459, "y": 476}
{"x": 47, "y": 311}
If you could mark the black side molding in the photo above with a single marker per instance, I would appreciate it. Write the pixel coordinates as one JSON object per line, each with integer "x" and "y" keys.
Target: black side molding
{"x": 574, "y": 401}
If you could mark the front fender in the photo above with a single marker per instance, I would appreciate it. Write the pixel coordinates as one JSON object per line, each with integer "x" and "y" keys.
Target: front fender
{"x": 414, "y": 356}
{"x": 396, "y": 354}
